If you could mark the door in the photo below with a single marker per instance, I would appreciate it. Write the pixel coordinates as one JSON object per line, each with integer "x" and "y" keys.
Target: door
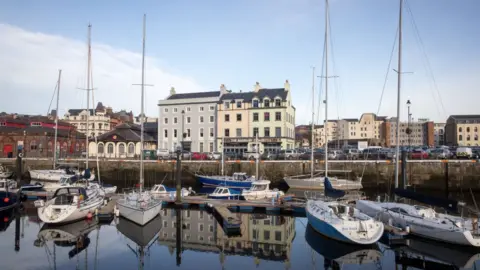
{"x": 7, "y": 148}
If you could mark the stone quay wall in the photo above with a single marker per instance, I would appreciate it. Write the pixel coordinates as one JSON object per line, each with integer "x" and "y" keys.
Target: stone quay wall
{"x": 461, "y": 175}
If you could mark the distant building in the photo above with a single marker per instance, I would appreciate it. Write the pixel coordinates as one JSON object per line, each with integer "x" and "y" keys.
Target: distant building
{"x": 422, "y": 133}
{"x": 136, "y": 120}
{"x": 367, "y": 127}
{"x": 439, "y": 134}
{"x": 462, "y": 130}
{"x": 189, "y": 118}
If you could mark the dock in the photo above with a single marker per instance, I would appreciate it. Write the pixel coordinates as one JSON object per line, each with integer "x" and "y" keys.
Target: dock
{"x": 230, "y": 223}
{"x": 106, "y": 212}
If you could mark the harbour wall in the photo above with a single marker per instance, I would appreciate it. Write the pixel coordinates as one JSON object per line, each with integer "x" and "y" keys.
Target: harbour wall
{"x": 461, "y": 175}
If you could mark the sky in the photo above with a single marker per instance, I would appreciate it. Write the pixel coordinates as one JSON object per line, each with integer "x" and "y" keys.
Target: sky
{"x": 199, "y": 45}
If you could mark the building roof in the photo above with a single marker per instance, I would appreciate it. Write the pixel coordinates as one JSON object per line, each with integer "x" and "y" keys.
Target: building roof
{"x": 75, "y": 112}
{"x": 100, "y": 107}
{"x": 465, "y": 117}
{"x": 350, "y": 119}
{"x": 263, "y": 93}
{"x": 126, "y": 132}
{"x": 194, "y": 95}
{"x": 45, "y": 131}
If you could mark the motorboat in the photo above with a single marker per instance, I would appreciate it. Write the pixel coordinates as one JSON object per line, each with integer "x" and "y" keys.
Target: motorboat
{"x": 60, "y": 174}
{"x": 424, "y": 222}
{"x": 5, "y": 173}
{"x": 237, "y": 180}
{"x": 161, "y": 190}
{"x": 225, "y": 193}
{"x": 340, "y": 253}
{"x": 260, "y": 190}
{"x": 8, "y": 194}
{"x": 109, "y": 189}
{"x": 70, "y": 204}
{"x": 316, "y": 182}
{"x": 343, "y": 223}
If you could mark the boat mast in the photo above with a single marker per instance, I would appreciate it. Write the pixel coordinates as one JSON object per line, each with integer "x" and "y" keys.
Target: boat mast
{"x": 142, "y": 104}
{"x": 88, "y": 90}
{"x": 313, "y": 119}
{"x": 56, "y": 122}
{"x": 223, "y": 156}
{"x": 326, "y": 88}
{"x": 399, "y": 81}
{"x": 256, "y": 156}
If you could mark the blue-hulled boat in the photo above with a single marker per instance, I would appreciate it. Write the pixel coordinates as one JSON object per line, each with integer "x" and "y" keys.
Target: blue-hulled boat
{"x": 8, "y": 194}
{"x": 225, "y": 193}
{"x": 237, "y": 180}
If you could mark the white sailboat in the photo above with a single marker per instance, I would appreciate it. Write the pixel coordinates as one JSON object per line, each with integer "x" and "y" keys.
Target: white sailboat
{"x": 260, "y": 190}
{"x": 140, "y": 207}
{"x": 335, "y": 219}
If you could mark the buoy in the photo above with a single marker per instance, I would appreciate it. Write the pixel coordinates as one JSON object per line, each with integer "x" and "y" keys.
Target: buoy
{"x": 6, "y": 199}
{"x": 5, "y": 219}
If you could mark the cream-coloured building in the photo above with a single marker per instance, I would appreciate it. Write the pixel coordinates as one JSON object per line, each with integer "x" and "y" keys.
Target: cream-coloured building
{"x": 439, "y": 133}
{"x": 99, "y": 120}
{"x": 319, "y": 133}
{"x": 264, "y": 112}
{"x": 367, "y": 127}
{"x": 462, "y": 130}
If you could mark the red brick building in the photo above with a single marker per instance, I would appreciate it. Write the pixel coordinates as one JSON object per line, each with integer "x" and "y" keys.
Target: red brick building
{"x": 37, "y": 134}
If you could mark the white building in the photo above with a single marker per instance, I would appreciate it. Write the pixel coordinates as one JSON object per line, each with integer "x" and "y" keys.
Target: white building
{"x": 99, "y": 120}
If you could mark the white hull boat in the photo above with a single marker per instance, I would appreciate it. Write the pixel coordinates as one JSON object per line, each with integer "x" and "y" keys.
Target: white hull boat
{"x": 304, "y": 182}
{"x": 343, "y": 223}
{"x": 160, "y": 190}
{"x": 69, "y": 204}
{"x": 260, "y": 191}
{"x": 424, "y": 222}
{"x": 140, "y": 208}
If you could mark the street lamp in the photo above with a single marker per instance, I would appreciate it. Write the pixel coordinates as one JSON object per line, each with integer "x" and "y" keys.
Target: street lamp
{"x": 409, "y": 131}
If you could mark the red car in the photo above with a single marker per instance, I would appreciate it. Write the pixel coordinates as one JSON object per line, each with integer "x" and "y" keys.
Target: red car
{"x": 419, "y": 154}
{"x": 199, "y": 156}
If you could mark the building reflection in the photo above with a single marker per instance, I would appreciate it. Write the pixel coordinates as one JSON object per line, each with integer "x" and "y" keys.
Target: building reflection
{"x": 262, "y": 237}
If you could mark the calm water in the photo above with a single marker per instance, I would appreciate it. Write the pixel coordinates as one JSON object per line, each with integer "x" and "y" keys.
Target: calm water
{"x": 266, "y": 242}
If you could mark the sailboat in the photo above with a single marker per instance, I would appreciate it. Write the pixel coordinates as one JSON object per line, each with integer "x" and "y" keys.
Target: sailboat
{"x": 335, "y": 219}
{"x": 140, "y": 207}
{"x": 420, "y": 220}
{"x": 9, "y": 195}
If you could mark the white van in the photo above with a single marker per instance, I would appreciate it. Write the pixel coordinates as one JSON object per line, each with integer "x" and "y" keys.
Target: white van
{"x": 464, "y": 152}
{"x": 163, "y": 154}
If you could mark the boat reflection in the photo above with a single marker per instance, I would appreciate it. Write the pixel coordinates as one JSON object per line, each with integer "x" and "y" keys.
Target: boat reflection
{"x": 262, "y": 236}
{"x": 337, "y": 254}
{"x": 142, "y": 236}
{"x": 6, "y": 218}
{"x": 428, "y": 254}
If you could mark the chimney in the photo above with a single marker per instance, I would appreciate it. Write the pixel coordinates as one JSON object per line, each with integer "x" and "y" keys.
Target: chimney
{"x": 223, "y": 89}
{"x": 257, "y": 87}
{"x": 286, "y": 86}
{"x": 172, "y": 91}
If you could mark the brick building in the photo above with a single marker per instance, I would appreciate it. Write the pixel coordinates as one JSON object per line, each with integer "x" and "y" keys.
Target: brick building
{"x": 37, "y": 134}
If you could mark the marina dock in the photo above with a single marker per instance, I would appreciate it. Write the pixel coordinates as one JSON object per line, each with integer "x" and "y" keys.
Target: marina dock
{"x": 106, "y": 213}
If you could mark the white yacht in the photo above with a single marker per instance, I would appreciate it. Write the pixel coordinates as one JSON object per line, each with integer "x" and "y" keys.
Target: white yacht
{"x": 260, "y": 190}
{"x": 160, "y": 190}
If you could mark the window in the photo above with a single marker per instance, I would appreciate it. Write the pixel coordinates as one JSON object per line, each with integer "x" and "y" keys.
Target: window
{"x": 266, "y": 103}
{"x": 278, "y": 102}
{"x": 200, "y": 227}
{"x": 211, "y": 108}
{"x": 468, "y": 129}
{"x": 255, "y": 234}
{"x": 227, "y": 117}
{"x": 255, "y": 117}
{"x": 227, "y": 132}
{"x": 211, "y": 132}
{"x": 239, "y": 117}
{"x": 266, "y": 132}
{"x": 175, "y": 133}
{"x": 165, "y": 110}
{"x": 188, "y": 109}
{"x": 201, "y": 109}
{"x": 201, "y": 133}
{"x": 239, "y": 104}
{"x": 239, "y": 132}
{"x": 255, "y": 132}
{"x": 266, "y": 116}
{"x": 255, "y": 103}
{"x": 188, "y": 119}
{"x": 460, "y": 137}
{"x": 201, "y": 147}
{"x": 175, "y": 110}
{"x": 266, "y": 235}
{"x": 165, "y": 121}
{"x": 33, "y": 146}
{"x": 201, "y": 119}
{"x": 121, "y": 149}
{"x": 468, "y": 137}
{"x": 475, "y": 137}
{"x": 475, "y": 129}
{"x": 210, "y": 146}
{"x": 278, "y": 236}
{"x": 210, "y": 228}
{"x": 459, "y": 129}
{"x": 188, "y": 133}
{"x": 175, "y": 120}
{"x": 100, "y": 148}
{"x": 110, "y": 148}
{"x": 278, "y": 132}
{"x": 131, "y": 148}
{"x": 226, "y": 105}
{"x": 278, "y": 116}
{"x": 165, "y": 133}
{"x": 212, "y": 119}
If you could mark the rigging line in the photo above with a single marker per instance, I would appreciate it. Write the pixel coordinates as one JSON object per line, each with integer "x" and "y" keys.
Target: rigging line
{"x": 320, "y": 88}
{"x": 338, "y": 93}
{"x": 53, "y": 96}
{"x": 429, "y": 66}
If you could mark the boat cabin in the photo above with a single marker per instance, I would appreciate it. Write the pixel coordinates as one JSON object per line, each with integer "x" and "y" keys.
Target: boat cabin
{"x": 260, "y": 185}
{"x": 221, "y": 191}
{"x": 159, "y": 189}
{"x": 69, "y": 195}
{"x": 4, "y": 183}
{"x": 240, "y": 176}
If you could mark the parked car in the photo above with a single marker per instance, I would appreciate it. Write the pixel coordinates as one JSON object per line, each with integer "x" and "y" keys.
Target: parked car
{"x": 419, "y": 154}
{"x": 288, "y": 154}
{"x": 232, "y": 156}
{"x": 251, "y": 155}
{"x": 371, "y": 153}
{"x": 269, "y": 156}
{"x": 441, "y": 153}
{"x": 318, "y": 154}
{"x": 215, "y": 155}
{"x": 352, "y": 153}
{"x": 199, "y": 156}
{"x": 464, "y": 152}
{"x": 336, "y": 154}
{"x": 163, "y": 154}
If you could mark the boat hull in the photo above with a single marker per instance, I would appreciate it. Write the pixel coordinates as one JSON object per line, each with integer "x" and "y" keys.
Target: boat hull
{"x": 317, "y": 183}
{"x": 5, "y": 175}
{"x": 62, "y": 214}
{"x": 255, "y": 196}
{"x": 220, "y": 181}
{"x": 227, "y": 197}
{"x": 8, "y": 200}
{"x": 49, "y": 175}
{"x": 138, "y": 215}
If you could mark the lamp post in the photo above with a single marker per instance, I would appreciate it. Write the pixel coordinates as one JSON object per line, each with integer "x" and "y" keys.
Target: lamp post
{"x": 409, "y": 131}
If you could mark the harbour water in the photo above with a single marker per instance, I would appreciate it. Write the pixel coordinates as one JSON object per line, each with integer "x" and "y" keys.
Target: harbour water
{"x": 265, "y": 242}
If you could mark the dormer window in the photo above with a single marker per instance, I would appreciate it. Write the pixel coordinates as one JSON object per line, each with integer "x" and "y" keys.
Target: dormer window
{"x": 239, "y": 104}
{"x": 36, "y": 124}
{"x": 266, "y": 103}
{"x": 227, "y": 105}
{"x": 278, "y": 102}
{"x": 255, "y": 103}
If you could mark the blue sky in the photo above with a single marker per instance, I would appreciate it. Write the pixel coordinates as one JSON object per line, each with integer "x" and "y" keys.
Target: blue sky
{"x": 198, "y": 45}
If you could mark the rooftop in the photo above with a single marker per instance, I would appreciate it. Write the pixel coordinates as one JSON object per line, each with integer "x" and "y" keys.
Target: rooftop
{"x": 263, "y": 93}
{"x": 194, "y": 95}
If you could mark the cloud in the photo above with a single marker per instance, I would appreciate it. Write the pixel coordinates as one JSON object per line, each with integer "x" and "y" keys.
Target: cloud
{"x": 29, "y": 69}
